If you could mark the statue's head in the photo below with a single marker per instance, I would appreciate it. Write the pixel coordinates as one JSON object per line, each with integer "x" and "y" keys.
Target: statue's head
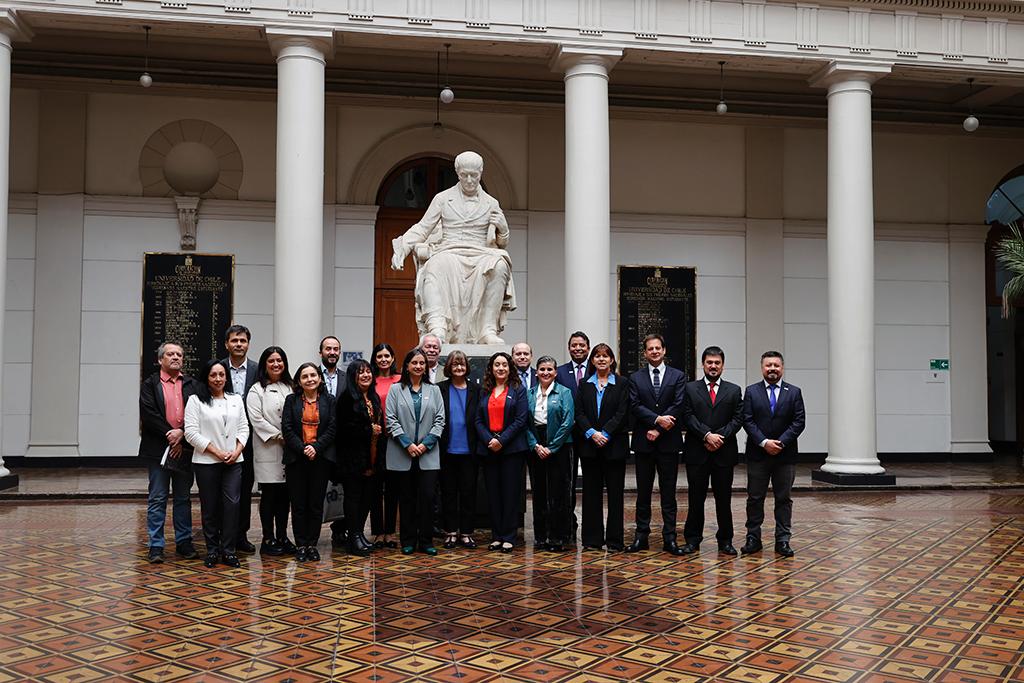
{"x": 469, "y": 166}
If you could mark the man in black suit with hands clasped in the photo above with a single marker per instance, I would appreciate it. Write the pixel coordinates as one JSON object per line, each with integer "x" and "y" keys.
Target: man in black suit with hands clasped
{"x": 656, "y": 406}
{"x": 773, "y": 417}
{"x": 713, "y": 413}
{"x": 241, "y": 377}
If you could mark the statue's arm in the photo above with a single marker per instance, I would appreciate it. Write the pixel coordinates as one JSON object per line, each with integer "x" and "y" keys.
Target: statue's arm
{"x": 417, "y": 234}
{"x": 500, "y": 226}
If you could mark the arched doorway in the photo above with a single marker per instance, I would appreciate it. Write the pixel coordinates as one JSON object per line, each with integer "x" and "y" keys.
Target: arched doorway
{"x": 1005, "y": 207}
{"x": 403, "y": 197}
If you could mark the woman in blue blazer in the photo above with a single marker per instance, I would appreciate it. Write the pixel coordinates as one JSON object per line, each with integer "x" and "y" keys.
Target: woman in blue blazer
{"x": 552, "y": 415}
{"x": 501, "y": 420}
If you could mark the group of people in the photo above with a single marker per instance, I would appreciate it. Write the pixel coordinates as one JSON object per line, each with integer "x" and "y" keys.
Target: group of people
{"x": 407, "y": 439}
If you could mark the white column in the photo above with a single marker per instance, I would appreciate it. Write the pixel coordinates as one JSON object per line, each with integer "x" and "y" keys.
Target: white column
{"x": 299, "y": 220}
{"x": 852, "y": 447}
{"x": 587, "y": 189}
{"x": 968, "y": 378}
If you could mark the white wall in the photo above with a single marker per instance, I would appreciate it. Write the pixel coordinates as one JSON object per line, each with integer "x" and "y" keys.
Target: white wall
{"x": 17, "y": 349}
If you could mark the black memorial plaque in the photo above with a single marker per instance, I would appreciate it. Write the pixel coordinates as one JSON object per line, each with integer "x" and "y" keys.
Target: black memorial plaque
{"x": 187, "y": 299}
{"x": 657, "y": 299}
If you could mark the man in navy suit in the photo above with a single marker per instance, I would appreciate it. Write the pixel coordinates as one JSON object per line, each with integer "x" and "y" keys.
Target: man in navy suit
{"x": 242, "y": 375}
{"x": 712, "y": 414}
{"x": 522, "y": 358}
{"x": 656, "y": 407}
{"x": 572, "y": 375}
{"x": 773, "y": 417}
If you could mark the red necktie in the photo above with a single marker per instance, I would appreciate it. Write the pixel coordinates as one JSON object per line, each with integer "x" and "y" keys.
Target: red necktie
{"x": 711, "y": 390}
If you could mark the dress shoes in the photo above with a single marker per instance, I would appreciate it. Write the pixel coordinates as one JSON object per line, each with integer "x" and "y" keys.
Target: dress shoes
{"x": 354, "y": 547}
{"x": 689, "y": 549}
{"x": 430, "y": 550}
{"x": 271, "y": 548}
{"x": 540, "y": 545}
{"x": 156, "y": 555}
{"x": 408, "y": 549}
{"x": 467, "y": 542}
{"x": 287, "y": 547}
{"x": 507, "y": 547}
{"x": 556, "y": 547}
{"x": 300, "y": 554}
{"x": 751, "y": 546}
{"x": 783, "y": 549}
{"x": 363, "y": 542}
{"x": 243, "y": 546}
{"x": 615, "y": 547}
{"x": 312, "y": 554}
{"x": 231, "y": 561}
{"x": 726, "y": 549}
{"x": 639, "y": 543}
{"x": 186, "y": 550}
{"x": 672, "y": 548}
{"x": 591, "y": 548}
{"x": 211, "y": 560}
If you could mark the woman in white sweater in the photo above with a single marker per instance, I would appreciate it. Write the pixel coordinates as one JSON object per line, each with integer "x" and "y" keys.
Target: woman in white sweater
{"x": 216, "y": 427}
{"x": 265, "y": 402}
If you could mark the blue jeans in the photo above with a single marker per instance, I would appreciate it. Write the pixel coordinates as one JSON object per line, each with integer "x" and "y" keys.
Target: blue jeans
{"x": 160, "y": 481}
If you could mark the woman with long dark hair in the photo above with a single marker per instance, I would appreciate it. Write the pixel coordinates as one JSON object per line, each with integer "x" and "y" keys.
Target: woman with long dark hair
{"x": 216, "y": 427}
{"x": 415, "y": 421}
{"x": 501, "y": 420}
{"x": 459, "y": 463}
{"x": 265, "y": 402}
{"x": 601, "y": 408}
{"x": 383, "y": 494}
{"x": 308, "y": 426}
{"x": 360, "y": 421}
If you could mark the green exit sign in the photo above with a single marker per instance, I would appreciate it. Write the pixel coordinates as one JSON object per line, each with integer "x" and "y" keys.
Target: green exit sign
{"x": 939, "y": 364}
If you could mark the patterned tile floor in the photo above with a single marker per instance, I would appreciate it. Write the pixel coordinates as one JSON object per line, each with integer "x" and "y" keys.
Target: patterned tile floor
{"x": 893, "y": 586}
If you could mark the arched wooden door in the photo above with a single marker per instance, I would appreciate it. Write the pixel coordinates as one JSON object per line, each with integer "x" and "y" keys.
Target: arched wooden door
{"x": 403, "y": 198}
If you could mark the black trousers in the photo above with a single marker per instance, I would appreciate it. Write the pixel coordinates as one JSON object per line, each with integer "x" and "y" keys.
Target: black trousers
{"x": 219, "y": 486}
{"x": 307, "y": 486}
{"x": 274, "y": 511}
{"x": 781, "y": 475}
{"x": 697, "y": 479}
{"x": 666, "y": 466}
{"x": 549, "y": 482}
{"x": 458, "y": 491}
{"x": 599, "y": 475}
{"x": 503, "y": 474}
{"x": 417, "y": 491}
{"x": 358, "y": 488}
{"x": 383, "y": 503}
{"x": 245, "y": 499}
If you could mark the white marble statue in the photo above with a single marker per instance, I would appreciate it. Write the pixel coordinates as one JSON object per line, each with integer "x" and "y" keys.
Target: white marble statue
{"x": 464, "y": 285}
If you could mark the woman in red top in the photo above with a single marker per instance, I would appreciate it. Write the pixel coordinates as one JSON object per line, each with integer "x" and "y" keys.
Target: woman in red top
{"x": 501, "y": 420}
{"x": 383, "y": 497}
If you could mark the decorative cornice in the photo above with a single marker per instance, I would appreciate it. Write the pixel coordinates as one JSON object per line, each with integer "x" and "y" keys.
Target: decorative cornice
{"x": 13, "y": 27}
{"x": 980, "y": 7}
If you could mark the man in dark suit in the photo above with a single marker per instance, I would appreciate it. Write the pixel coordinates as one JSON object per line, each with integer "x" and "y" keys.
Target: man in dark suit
{"x": 522, "y": 358}
{"x": 712, "y": 415}
{"x": 572, "y": 375}
{"x": 656, "y": 407}
{"x": 336, "y": 383}
{"x": 773, "y": 417}
{"x": 241, "y": 376}
{"x": 162, "y": 399}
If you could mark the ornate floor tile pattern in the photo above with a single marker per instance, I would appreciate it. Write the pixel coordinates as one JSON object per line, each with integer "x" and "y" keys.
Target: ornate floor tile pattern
{"x": 885, "y": 587}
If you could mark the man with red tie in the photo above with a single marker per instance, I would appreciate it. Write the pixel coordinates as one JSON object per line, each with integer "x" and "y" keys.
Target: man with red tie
{"x": 712, "y": 414}
{"x": 571, "y": 375}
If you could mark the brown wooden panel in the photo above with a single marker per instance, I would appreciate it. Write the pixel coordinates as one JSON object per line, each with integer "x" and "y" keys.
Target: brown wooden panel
{"x": 394, "y": 319}
{"x": 390, "y": 224}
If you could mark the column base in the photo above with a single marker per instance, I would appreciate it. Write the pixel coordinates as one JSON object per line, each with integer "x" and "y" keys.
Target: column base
{"x": 853, "y": 479}
{"x": 8, "y": 482}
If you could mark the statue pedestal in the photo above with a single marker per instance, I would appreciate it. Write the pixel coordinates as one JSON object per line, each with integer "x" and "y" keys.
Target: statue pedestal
{"x": 479, "y": 355}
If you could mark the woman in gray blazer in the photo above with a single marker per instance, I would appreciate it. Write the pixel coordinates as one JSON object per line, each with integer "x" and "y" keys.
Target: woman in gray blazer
{"x": 414, "y": 415}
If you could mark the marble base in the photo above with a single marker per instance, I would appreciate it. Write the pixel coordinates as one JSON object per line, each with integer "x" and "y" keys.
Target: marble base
{"x": 853, "y": 479}
{"x": 8, "y": 482}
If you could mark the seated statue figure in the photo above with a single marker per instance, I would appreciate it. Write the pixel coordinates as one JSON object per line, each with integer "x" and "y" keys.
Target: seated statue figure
{"x": 464, "y": 286}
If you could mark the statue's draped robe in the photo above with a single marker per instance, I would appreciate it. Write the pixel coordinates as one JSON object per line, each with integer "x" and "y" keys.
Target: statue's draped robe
{"x": 464, "y": 258}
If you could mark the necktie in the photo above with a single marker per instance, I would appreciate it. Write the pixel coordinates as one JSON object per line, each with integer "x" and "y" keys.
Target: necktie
{"x": 656, "y": 381}
{"x": 711, "y": 390}
{"x": 579, "y": 374}
{"x": 771, "y": 397}
{"x": 524, "y": 377}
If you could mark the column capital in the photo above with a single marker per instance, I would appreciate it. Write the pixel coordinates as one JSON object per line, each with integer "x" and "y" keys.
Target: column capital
{"x": 840, "y": 72}
{"x": 577, "y": 59}
{"x": 13, "y": 28}
{"x": 296, "y": 41}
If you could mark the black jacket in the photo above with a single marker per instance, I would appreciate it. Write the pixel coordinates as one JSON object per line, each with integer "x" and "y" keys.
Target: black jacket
{"x": 354, "y": 434}
{"x": 786, "y": 424}
{"x": 472, "y": 401}
{"x": 724, "y": 418}
{"x": 612, "y": 419}
{"x": 152, "y": 410}
{"x": 645, "y": 407}
{"x": 291, "y": 429}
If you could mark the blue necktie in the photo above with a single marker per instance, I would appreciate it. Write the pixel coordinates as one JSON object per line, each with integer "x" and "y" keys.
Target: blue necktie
{"x": 524, "y": 375}
{"x": 657, "y": 381}
{"x": 771, "y": 397}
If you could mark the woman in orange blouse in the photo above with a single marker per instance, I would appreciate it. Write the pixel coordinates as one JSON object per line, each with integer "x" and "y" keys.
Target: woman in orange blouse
{"x": 308, "y": 427}
{"x": 383, "y": 493}
{"x": 360, "y": 449}
{"x": 501, "y": 419}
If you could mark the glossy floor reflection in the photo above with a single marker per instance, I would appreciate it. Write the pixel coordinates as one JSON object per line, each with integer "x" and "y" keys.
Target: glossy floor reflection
{"x": 884, "y": 587}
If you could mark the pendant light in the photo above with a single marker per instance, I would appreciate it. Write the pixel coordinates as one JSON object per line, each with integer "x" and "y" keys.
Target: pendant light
{"x": 145, "y": 80}
{"x": 447, "y": 95}
{"x": 721, "y": 107}
{"x": 971, "y": 123}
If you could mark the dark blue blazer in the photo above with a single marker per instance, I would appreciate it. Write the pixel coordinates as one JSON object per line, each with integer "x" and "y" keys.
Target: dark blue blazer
{"x": 513, "y": 436}
{"x": 645, "y": 408}
{"x": 785, "y": 425}
{"x": 565, "y": 376}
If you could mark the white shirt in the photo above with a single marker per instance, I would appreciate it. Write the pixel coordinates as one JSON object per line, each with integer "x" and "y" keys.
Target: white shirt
{"x": 433, "y": 373}
{"x": 540, "y": 410}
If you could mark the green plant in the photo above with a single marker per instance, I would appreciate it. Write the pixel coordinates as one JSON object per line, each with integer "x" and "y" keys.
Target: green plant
{"x": 1010, "y": 252}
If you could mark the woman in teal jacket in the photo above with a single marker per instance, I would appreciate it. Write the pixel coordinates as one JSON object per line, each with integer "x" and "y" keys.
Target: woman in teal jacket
{"x": 552, "y": 415}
